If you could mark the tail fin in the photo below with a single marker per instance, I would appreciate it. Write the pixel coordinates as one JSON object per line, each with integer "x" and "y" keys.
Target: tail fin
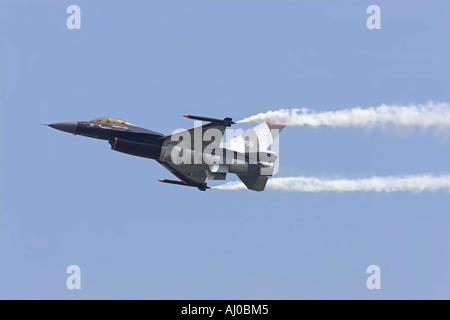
{"x": 258, "y": 138}
{"x": 255, "y": 142}
{"x": 253, "y": 182}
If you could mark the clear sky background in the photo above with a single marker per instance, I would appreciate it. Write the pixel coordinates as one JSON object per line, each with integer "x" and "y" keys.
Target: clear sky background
{"x": 71, "y": 200}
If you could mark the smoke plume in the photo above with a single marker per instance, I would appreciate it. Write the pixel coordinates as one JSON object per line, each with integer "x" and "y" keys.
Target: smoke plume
{"x": 423, "y": 116}
{"x": 411, "y": 183}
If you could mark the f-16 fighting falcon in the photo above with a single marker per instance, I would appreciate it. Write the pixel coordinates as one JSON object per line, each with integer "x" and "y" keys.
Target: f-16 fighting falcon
{"x": 192, "y": 155}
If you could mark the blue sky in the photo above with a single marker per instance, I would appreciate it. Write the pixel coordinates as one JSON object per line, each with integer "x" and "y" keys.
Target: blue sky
{"x": 71, "y": 200}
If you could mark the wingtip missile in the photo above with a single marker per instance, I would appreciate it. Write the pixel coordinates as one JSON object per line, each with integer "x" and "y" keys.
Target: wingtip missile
{"x": 226, "y": 121}
{"x": 201, "y": 187}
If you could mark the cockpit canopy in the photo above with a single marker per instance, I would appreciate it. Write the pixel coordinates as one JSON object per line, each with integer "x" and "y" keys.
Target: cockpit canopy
{"x": 112, "y": 120}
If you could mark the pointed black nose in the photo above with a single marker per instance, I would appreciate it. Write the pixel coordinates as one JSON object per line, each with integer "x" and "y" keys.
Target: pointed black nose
{"x": 70, "y": 127}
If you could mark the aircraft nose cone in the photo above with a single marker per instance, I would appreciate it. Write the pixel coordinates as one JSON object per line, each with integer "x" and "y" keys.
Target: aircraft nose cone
{"x": 70, "y": 127}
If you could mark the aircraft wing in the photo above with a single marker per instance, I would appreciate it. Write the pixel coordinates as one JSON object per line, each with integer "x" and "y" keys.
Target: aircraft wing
{"x": 189, "y": 174}
{"x": 216, "y": 129}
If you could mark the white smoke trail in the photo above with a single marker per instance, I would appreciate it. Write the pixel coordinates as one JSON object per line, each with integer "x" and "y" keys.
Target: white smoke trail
{"x": 411, "y": 183}
{"x": 424, "y": 116}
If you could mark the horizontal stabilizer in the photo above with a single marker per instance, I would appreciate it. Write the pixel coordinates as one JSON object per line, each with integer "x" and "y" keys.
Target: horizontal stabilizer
{"x": 253, "y": 182}
{"x": 256, "y": 139}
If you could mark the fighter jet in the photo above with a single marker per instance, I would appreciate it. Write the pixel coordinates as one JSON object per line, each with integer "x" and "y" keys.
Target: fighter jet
{"x": 192, "y": 155}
